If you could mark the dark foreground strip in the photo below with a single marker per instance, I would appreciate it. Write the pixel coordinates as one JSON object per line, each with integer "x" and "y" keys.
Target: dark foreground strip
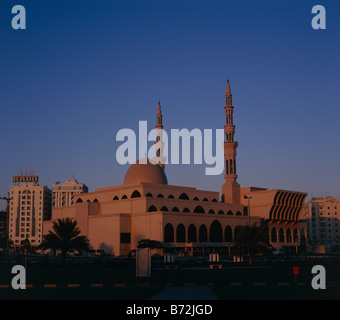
{"x": 168, "y": 284}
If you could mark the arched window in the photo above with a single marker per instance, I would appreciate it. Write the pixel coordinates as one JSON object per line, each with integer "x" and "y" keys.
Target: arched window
{"x": 95, "y": 200}
{"x": 288, "y": 235}
{"x": 214, "y": 200}
{"x": 135, "y": 194}
{"x": 88, "y": 200}
{"x": 160, "y": 196}
{"x": 228, "y": 234}
{"x": 79, "y": 200}
{"x": 196, "y": 199}
{"x": 205, "y": 199}
{"x": 192, "y": 233}
{"x": 169, "y": 233}
{"x": 238, "y": 213}
{"x": 152, "y": 209}
{"x": 216, "y": 233}
{"x": 183, "y": 196}
{"x": 115, "y": 198}
{"x": 149, "y": 195}
{"x": 211, "y": 211}
{"x": 171, "y": 197}
{"x": 230, "y": 213}
{"x": 175, "y": 209}
{"x": 296, "y": 235}
{"x": 220, "y": 212}
{"x": 274, "y": 235}
{"x": 180, "y": 233}
{"x": 203, "y": 234}
{"x": 281, "y": 235}
{"x": 164, "y": 208}
{"x": 199, "y": 209}
{"x": 124, "y": 196}
{"x": 186, "y": 210}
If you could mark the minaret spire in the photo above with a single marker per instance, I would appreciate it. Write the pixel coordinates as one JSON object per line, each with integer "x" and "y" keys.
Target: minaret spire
{"x": 159, "y": 142}
{"x": 230, "y": 189}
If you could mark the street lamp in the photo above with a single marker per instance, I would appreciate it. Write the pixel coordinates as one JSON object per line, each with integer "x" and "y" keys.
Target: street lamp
{"x": 247, "y": 197}
{"x": 26, "y": 244}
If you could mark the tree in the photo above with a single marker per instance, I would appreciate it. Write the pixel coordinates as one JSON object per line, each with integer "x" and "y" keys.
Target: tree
{"x": 65, "y": 237}
{"x": 26, "y": 247}
{"x": 252, "y": 240}
{"x": 147, "y": 243}
{"x": 5, "y": 242}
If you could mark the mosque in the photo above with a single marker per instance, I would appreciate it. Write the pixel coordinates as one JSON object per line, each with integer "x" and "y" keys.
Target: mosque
{"x": 184, "y": 219}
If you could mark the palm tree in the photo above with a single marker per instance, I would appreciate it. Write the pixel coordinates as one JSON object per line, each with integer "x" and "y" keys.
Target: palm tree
{"x": 252, "y": 240}
{"x": 65, "y": 237}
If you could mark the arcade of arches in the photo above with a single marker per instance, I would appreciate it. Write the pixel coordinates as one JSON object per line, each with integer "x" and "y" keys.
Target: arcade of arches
{"x": 223, "y": 236}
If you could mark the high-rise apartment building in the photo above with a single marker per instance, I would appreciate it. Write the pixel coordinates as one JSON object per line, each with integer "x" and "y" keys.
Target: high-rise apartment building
{"x": 3, "y": 223}
{"x": 4, "y": 218}
{"x": 29, "y": 206}
{"x": 323, "y": 224}
{"x": 63, "y": 193}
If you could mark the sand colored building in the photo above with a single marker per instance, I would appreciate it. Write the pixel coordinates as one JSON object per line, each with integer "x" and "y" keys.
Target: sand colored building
{"x": 184, "y": 219}
{"x": 63, "y": 194}
{"x": 280, "y": 210}
{"x": 146, "y": 207}
{"x": 3, "y": 224}
{"x": 29, "y": 206}
{"x": 323, "y": 225}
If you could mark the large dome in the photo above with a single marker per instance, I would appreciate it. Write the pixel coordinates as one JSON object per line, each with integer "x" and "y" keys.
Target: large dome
{"x": 145, "y": 172}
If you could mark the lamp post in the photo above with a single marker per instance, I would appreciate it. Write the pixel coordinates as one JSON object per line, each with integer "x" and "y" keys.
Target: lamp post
{"x": 26, "y": 244}
{"x": 247, "y": 197}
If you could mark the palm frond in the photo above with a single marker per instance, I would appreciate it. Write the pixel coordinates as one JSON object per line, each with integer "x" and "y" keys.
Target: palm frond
{"x": 65, "y": 237}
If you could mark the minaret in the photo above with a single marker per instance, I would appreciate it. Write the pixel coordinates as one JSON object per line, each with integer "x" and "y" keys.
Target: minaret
{"x": 159, "y": 142}
{"x": 230, "y": 189}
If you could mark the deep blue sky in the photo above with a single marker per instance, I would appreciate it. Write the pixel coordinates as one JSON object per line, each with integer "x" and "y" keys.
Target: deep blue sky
{"x": 85, "y": 69}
